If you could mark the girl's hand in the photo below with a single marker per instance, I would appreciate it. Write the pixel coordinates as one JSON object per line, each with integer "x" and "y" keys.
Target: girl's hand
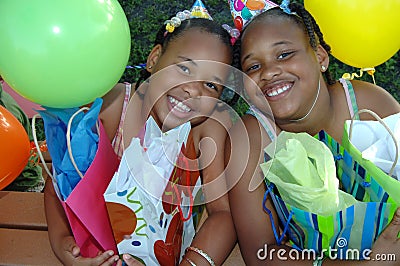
{"x": 386, "y": 249}
{"x": 106, "y": 258}
{"x": 130, "y": 261}
{"x": 72, "y": 253}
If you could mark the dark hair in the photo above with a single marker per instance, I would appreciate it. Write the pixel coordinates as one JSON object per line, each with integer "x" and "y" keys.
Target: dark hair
{"x": 304, "y": 20}
{"x": 164, "y": 39}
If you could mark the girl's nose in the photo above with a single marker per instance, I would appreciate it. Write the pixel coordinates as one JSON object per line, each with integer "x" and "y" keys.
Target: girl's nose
{"x": 193, "y": 89}
{"x": 269, "y": 72}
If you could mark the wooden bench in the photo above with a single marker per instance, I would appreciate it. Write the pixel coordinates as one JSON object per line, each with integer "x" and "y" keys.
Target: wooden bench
{"x": 23, "y": 230}
{"x": 22, "y": 210}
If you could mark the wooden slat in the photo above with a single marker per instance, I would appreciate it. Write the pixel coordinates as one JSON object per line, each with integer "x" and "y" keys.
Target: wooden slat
{"x": 235, "y": 258}
{"x": 26, "y": 247}
{"x": 23, "y": 232}
{"x": 22, "y": 210}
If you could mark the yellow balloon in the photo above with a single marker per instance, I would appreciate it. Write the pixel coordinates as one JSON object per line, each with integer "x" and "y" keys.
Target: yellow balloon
{"x": 361, "y": 33}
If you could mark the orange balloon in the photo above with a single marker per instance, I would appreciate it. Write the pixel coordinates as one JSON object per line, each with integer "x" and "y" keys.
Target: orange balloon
{"x": 14, "y": 147}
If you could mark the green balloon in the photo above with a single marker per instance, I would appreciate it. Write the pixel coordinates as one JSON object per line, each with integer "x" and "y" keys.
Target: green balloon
{"x": 63, "y": 53}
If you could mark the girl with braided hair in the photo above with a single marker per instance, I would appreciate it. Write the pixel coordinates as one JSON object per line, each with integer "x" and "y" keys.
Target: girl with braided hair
{"x": 185, "y": 74}
{"x": 282, "y": 50}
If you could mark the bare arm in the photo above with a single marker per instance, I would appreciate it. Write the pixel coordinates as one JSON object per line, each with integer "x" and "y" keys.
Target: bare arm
{"x": 244, "y": 151}
{"x": 217, "y": 235}
{"x": 60, "y": 235}
{"x": 374, "y": 98}
{"x": 111, "y": 110}
{"x": 57, "y": 222}
{"x": 61, "y": 239}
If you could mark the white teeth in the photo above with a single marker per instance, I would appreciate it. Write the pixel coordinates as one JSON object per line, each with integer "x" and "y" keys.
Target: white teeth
{"x": 179, "y": 105}
{"x": 276, "y": 92}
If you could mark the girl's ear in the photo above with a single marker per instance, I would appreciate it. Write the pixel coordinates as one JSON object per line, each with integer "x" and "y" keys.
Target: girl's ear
{"x": 153, "y": 57}
{"x": 323, "y": 57}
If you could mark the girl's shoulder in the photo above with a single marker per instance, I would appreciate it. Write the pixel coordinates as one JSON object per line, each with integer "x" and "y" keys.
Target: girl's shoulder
{"x": 111, "y": 111}
{"x": 375, "y": 98}
{"x": 250, "y": 122}
{"x": 117, "y": 93}
{"x": 216, "y": 127}
{"x": 249, "y": 127}
{"x": 219, "y": 120}
{"x": 247, "y": 122}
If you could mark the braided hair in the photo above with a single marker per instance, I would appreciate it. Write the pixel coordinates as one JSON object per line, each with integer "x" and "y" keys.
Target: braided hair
{"x": 305, "y": 21}
{"x": 164, "y": 39}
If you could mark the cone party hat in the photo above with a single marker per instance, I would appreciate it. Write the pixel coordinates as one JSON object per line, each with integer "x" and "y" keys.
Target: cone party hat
{"x": 199, "y": 10}
{"x": 244, "y": 10}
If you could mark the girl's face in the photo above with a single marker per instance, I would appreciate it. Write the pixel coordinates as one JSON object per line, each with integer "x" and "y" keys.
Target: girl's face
{"x": 276, "y": 54}
{"x": 187, "y": 78}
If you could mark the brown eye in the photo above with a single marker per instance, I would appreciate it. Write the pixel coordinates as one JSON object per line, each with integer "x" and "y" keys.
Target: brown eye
{"x": 284, "y": 55}
{"x": 252, "y": 68}
{"x": 185, "y": 69}
{"x": 212, "y": 86}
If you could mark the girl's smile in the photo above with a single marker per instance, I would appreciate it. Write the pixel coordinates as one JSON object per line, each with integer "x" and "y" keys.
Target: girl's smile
{"x": 178, "y": 108}
{"x": 276, "y": 91}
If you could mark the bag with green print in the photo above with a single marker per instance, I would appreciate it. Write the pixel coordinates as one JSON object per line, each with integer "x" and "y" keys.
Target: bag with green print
{"x": 338, "y": 217}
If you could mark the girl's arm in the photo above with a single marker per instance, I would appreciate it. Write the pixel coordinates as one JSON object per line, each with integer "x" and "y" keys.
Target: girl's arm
{"x": 374, "y": 98}
{"x": 60, "y": 235}
{"x": 58, "y": 227}
{"x": 111, "y": 110}
{"x": 61, "y": 239}
{"x": 216, "y": 236}
{"x": 244, "y": 154}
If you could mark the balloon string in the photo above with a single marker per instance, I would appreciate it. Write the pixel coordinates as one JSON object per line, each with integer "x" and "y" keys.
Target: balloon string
{"x": 369, "y": 70}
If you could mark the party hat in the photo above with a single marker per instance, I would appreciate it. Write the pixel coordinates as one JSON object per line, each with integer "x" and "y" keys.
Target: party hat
{"x": 244, "y": 10}
{"x": 199, "y": 10}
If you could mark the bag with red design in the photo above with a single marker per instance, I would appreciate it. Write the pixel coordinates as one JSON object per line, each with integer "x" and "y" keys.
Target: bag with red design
{"x": 150, "y": 198}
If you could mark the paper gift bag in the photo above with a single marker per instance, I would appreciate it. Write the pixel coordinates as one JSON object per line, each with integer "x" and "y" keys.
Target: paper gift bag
{"x": 150, "y": 197}
{"x": 85, "y": 207}
{"x": 379, "y": 141}
{"x": 83, "y": 199}
{"x": 374, "y": 180}
{"x": 348, "y": 231}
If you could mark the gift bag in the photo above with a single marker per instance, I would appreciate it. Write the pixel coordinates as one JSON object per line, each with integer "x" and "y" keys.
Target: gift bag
{"x": 150, "y": 198}
{"x": 373, "y": 179}
{"x": 83, "y": 165}
{"x": 379, "y": 143}
{"x": 350, "y": 230}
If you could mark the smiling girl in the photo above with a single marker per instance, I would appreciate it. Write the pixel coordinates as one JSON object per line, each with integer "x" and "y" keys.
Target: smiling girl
{"x": 185, "y": 74}
{"x": 283, "y": 53}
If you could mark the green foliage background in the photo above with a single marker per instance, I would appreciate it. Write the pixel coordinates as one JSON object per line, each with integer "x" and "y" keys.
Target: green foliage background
{"x": 145, "y": 18}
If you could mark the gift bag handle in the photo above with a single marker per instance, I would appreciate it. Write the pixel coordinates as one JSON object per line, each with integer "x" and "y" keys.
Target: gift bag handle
{"x": 68, "y": 136}
{"x": 377, "y": 117}
{"x": 184, "y": 219}
{"x": 287, "y": 224}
